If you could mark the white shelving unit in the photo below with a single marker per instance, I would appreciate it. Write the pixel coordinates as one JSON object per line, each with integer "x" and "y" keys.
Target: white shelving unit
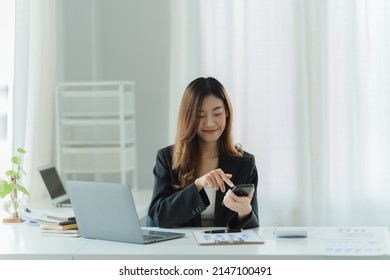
{"x": 96, "y": 131}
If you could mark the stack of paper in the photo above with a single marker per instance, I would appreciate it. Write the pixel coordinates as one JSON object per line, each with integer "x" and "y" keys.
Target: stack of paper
{"x": 58, "y": 226}
{"x": 60, "y": 233}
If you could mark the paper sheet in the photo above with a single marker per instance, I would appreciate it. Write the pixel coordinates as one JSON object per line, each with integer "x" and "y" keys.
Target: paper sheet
{"x": 244, "y": 237}
{"x": 353, "y": 242}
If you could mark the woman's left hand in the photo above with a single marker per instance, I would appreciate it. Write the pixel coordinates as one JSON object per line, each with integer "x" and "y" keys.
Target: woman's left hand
{"x": 239, "y": 204}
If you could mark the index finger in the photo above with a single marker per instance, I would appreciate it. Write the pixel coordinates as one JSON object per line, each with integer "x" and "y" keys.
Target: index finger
{"x": 226, "y": 178}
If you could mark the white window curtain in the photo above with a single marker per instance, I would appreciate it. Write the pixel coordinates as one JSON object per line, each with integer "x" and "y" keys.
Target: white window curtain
{"x": 34, "y": 77}
{"x": 311, "y": 96}
{"x": 185, "y": 53}
{"x": 7, "y": 19}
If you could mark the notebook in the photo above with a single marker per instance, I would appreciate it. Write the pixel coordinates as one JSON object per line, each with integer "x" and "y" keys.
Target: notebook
{"x": 107, "y": 211}
{"x": 54, "y": 186}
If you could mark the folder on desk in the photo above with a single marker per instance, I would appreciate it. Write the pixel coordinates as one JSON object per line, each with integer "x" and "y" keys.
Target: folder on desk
{"x": 244, "y": 237}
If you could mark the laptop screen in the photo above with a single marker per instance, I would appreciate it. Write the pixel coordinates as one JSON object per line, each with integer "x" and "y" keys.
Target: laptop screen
{"x": 53, "y": 182}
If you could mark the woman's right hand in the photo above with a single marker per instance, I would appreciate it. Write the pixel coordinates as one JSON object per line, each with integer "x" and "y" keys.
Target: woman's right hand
{"x": 214, "y": 179}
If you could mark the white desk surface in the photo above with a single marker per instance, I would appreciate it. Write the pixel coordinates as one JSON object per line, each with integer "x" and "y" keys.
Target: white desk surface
{"x": 21, "y": 241}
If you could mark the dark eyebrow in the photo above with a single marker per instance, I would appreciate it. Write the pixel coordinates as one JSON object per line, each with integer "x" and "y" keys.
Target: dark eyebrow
{"x": 216, "y": 108}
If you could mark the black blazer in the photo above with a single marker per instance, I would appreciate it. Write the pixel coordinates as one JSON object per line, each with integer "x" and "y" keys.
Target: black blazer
{"x": 182, "y": 208}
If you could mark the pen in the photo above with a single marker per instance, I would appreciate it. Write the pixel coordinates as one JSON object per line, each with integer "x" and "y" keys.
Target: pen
{"x": 223, "y": 231}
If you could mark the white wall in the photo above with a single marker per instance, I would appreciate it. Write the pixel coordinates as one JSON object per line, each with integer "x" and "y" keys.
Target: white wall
{"x": 122, "y": 40}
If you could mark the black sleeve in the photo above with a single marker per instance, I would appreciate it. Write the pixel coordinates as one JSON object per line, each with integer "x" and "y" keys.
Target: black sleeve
{"x": 171, "y": 207}
{"x": 253, "y": 220}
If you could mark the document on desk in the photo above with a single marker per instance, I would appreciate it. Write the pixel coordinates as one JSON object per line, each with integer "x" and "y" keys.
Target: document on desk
{"x": 34, "y": 215}
{"x": 354, "y": 242}
{"x": 228, "y": 238}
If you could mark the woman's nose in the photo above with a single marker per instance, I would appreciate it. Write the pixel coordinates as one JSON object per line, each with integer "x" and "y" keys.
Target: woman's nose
{"x": 209, "y": 121}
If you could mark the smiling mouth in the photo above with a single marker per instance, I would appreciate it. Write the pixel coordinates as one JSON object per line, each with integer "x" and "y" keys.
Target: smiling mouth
{"x": 210, "y": 131}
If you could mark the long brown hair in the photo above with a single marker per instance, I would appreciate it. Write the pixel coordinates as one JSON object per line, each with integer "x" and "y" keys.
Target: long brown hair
{"x": 186, "y": 149}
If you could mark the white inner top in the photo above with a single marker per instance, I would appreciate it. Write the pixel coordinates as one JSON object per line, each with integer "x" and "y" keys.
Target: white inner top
{"x": 209, "y": 213}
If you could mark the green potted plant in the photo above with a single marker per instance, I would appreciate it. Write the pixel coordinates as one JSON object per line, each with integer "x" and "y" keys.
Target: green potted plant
{"x": 11, "y": 187}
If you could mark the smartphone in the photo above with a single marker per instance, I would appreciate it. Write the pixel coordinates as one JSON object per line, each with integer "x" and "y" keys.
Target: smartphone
{"x": 243, "y": 189}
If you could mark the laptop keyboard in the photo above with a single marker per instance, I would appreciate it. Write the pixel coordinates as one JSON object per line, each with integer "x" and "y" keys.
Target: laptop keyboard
{"x": 152, "y": 237}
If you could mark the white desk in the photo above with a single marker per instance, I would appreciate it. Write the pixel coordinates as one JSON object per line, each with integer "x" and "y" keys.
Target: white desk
{"x": 20, "y": 241}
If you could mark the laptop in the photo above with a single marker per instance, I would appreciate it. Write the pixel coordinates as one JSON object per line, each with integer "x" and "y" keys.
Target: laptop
{"x": 54, "y": 186}
{"x": 107, "y": 211}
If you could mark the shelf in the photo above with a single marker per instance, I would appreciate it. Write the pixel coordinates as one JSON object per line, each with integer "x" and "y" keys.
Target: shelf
{"x": 96, "y": 131}
{"x": 101, "y": 145}
{"x": 95, "y": 170}
{"x": 95, "y": 117}
{"x": 93, "y": 121}
{"x": 91, "y": 149}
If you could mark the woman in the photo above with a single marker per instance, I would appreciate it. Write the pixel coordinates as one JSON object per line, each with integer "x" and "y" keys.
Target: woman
{"x": 193, "y": 177}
